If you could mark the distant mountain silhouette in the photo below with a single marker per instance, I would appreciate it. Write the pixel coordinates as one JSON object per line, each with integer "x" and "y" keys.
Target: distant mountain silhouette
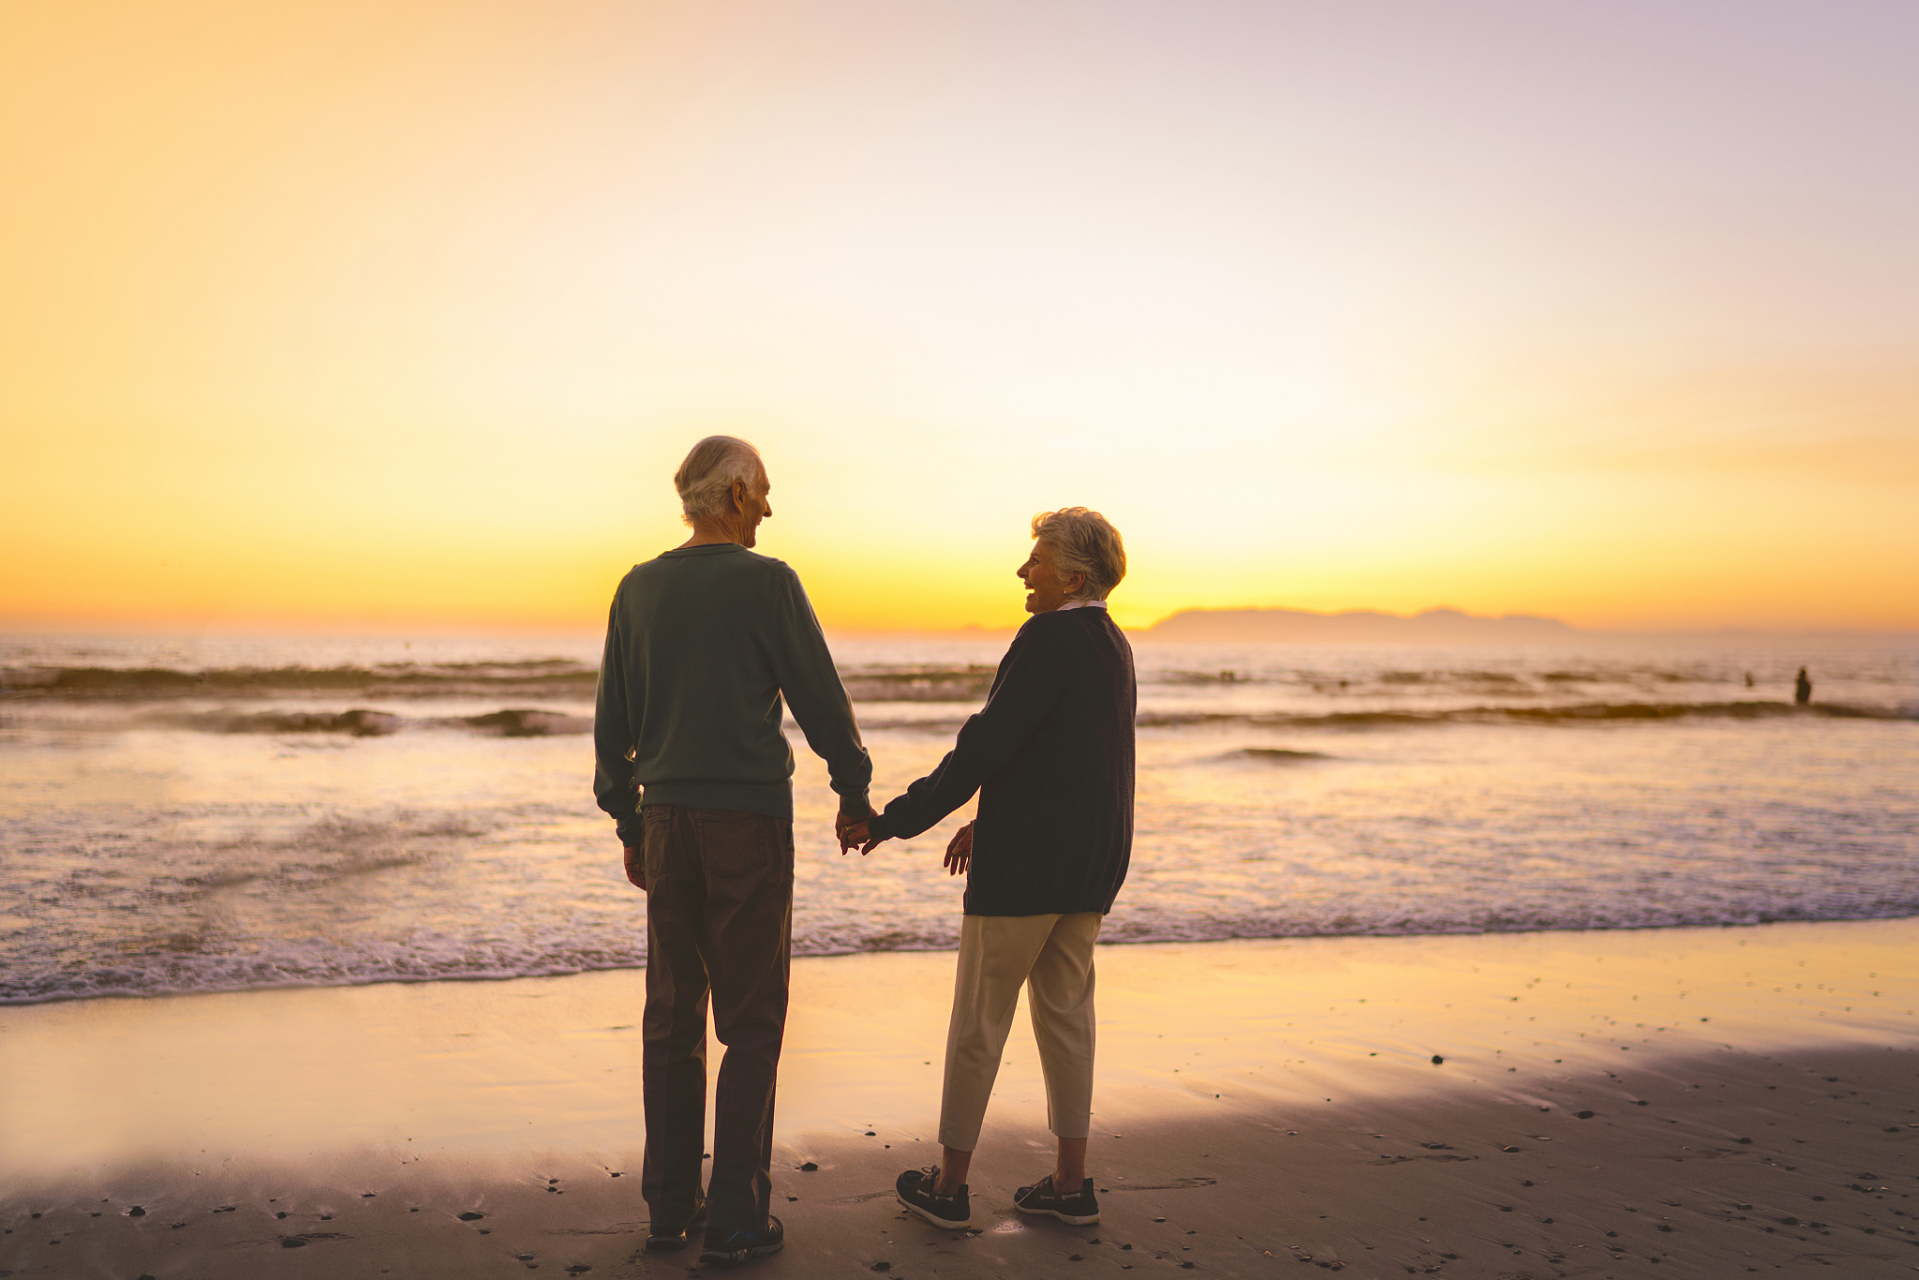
{"x": 1260, "y": 626}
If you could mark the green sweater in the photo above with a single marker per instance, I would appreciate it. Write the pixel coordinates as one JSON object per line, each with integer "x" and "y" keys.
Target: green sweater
{"x": 700, "y": 645}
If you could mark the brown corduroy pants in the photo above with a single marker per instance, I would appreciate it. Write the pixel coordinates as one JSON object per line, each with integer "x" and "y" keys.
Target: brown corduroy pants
{"x": 719, "y": 916}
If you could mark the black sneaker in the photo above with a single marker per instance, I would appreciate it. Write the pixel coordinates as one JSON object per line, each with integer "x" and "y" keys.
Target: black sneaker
{"x": 915, "y": 1190}
{"x": 1081, "y": 1210}
{"x": 661, "y": 1236}
{"x": 737, "y": 1247}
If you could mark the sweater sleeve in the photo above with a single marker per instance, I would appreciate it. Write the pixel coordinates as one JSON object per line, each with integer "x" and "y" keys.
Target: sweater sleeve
{"x": 613, "y": 737}
{"x": 811, "y": 685}
{"x": 1028, "y": 684}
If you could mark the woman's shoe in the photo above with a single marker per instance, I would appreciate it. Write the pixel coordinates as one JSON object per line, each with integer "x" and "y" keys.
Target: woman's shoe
{"x": 1079, "y": 1210}
{"x": 915, "y": 1191}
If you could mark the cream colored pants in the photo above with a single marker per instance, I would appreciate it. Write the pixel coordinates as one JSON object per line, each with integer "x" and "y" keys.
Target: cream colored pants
{"x": 1052, "y": 956}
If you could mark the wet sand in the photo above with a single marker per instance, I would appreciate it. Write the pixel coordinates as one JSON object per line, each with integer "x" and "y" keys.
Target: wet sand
{"x": 1666, "y": 1103}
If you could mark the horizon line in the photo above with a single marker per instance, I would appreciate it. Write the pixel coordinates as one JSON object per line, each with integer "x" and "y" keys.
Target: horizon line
{"x": 442, "y": 627}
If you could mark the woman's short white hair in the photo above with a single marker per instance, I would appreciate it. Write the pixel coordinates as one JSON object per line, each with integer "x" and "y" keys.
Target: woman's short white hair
{"x": 1083, "y": 542}
{"x": 705, "y": 479}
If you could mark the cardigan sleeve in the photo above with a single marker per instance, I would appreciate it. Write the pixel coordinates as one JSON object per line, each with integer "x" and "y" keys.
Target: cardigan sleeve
{"x": 1024, "y": 691}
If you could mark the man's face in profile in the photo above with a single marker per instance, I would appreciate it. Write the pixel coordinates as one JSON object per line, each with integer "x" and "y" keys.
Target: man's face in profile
{"x": 753, "y": 509}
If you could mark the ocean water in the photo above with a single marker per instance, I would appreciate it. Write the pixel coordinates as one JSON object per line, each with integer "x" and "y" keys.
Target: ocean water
{"x": 198, "y": 815}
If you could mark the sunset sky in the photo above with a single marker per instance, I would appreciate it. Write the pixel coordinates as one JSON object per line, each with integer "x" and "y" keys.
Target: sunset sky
{"x": 403, "y": 313}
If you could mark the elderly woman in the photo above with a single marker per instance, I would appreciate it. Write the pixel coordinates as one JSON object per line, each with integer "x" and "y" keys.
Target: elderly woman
{"x": 1051, "y": 755}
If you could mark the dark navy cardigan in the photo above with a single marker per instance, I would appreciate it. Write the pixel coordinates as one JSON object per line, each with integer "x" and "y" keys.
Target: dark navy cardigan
{"x": 1051, "y": 755}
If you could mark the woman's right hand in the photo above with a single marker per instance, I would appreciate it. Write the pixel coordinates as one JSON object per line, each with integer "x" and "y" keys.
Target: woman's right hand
{"x": 959, "y": 851}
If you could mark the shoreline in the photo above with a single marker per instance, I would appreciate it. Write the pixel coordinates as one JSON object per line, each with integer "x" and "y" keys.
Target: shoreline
{"x": 1245, "y": 1089}
{"x": 1105, "y": 943}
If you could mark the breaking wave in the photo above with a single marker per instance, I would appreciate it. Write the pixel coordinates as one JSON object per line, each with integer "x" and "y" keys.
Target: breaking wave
{"x": 542, "y": 677}
{"x": 362, "y": 722}
{"x": 358, "y": 723}
{"x": 1577, "y": 713}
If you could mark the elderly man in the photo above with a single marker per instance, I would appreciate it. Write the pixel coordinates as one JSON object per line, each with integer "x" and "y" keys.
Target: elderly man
{"x": 702, "y": 643}
{"x": 1051, "y": 755}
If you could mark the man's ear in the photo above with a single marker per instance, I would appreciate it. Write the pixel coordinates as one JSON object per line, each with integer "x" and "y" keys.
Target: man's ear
{"x": 738, "y": 495}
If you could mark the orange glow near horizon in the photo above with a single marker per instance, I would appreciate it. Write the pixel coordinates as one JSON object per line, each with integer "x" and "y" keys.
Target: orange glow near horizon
{"x": 403, "y": 315}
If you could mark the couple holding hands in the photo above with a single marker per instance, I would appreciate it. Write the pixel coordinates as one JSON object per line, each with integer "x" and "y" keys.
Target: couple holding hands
{"x": 702, "y": 645}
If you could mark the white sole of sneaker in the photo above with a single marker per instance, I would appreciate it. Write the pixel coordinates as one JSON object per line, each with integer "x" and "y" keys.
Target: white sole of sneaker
{"x": 1070, "y": 1219}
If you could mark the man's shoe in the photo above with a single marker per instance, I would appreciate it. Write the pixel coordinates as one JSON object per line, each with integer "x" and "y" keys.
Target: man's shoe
{"x": 915, "y": 1190}
{"x": 662, "y": 1236}
{"x": 737, "y": 1247}
{"x": 1079, "y": 1210}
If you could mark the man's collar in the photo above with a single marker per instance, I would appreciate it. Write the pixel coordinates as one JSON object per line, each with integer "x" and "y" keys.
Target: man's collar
{"x": 1081, "y": 604}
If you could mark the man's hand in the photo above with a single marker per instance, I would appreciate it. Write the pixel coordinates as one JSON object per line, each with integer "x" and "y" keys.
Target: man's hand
{"x": 851, "y": 830}
{"x": 636, "y": 866}
{"x": 959, "y": 851}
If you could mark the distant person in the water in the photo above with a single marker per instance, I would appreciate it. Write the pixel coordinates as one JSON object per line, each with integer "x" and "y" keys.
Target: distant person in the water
{"x": 1051, "y": 755}
{"x": 1749, "y": 679}
{"x": 1802, "y": 689}
{"x": 703, "y": 643}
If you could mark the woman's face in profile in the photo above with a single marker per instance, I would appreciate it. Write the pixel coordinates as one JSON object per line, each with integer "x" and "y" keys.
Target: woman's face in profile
{"x": 1045, "y": 589}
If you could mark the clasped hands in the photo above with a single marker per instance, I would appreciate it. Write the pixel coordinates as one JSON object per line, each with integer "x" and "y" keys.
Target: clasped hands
{"x": 853, "y": 832}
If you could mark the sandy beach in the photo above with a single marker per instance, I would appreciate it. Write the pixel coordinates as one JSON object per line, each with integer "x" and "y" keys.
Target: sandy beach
{"x": 1673, "y": 1102}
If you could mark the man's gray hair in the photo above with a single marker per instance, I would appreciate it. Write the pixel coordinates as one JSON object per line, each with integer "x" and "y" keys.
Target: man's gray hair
{"x": 1083, "y": 542}
{"x": 705, "y": 479}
